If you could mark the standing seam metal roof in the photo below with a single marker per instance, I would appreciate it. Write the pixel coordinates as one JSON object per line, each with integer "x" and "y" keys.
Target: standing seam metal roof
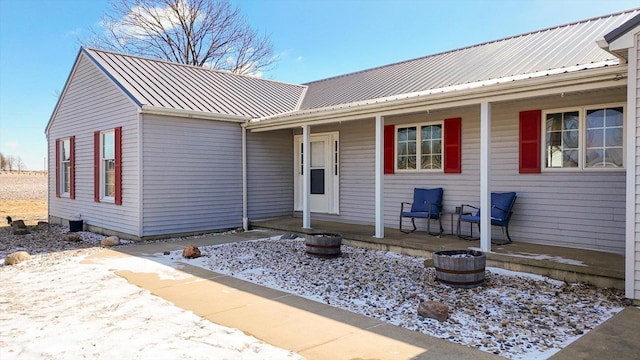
{"x": 553, "y": 48}
{"x": 184, "y": 87}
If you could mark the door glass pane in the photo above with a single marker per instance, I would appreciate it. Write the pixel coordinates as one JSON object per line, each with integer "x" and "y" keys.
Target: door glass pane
{"x": 317, "y": 154}
{"x": 317, "y": 181}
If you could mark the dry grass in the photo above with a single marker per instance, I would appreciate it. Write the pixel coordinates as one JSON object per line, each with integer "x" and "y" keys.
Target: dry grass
{"x": 23, "y": 196}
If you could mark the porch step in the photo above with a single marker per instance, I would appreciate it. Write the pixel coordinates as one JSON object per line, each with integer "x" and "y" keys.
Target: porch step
{"x": 601, "y": 269}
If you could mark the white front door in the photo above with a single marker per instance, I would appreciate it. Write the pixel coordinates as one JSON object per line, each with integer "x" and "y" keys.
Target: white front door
{"x": 324, "y": 168}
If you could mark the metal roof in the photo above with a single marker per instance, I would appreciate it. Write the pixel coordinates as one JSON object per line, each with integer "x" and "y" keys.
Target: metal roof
{"x": 568, "y": 46}
{"x": 169, "y": 85}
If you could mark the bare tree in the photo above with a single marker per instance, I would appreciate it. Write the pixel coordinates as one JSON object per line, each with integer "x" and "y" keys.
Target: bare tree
{"x": 2, "y": 162}
{"x": 209, "y": 33}
{"x": 9, "y": 161}
{"x": 19, "y": 164}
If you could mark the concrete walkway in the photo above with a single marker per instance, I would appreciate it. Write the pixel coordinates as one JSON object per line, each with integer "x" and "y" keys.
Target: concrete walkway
{"x": 319, "y": 331}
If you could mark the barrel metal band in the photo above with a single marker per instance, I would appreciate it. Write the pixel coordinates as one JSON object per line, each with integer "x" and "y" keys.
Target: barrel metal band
{"x": 475, "y": 271}
{"x": 477, "y": 282}
{"x": 323, "y": 246}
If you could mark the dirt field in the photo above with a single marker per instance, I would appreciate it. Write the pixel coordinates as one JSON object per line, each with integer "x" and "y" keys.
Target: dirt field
{"x": 23, "y": 196}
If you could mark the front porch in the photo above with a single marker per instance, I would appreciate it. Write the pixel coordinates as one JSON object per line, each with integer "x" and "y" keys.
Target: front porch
{"x": 601, "y": 269}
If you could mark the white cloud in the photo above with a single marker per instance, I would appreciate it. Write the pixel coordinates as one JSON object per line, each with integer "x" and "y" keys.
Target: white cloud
{"x": 11, "y": 145}
{"x": 163, "y": 16}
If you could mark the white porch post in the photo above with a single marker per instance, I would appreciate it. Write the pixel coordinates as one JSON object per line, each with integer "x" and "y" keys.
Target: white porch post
{"x": 631, "y": 214}
{"x": 379, "y": 174}
{"x": 306, "y": 206}
{"x": 245, "y": 212}
{"x": 485, "y": 176}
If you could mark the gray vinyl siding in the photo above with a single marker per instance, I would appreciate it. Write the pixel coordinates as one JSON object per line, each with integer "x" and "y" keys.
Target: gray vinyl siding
{"x": 192, "y": 175}
{"x": 582, "y": 209}
{"x": 269, "y": 174}
{"x": 92, "y": 103}
{"x": 458, "y": 188}
{"x": 356, "y": 166}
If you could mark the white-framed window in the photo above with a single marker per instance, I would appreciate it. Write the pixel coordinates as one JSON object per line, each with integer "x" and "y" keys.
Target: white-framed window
{"x": 419, "y": 146}
{"x": 64, "y": 147}
{"x": 589, "y": 137}
{"x": 107, "y": 165}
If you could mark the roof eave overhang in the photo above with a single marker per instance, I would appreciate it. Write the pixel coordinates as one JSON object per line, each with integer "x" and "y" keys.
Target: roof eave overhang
{"x": 603, "y": 75}
{"x": 205, "y": 115}
{"x": 618, "y": 43}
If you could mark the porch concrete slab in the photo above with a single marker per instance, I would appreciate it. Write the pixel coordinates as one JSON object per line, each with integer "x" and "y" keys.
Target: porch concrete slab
{"x": 617, "y": 338}
{"x": 598, "y": 268}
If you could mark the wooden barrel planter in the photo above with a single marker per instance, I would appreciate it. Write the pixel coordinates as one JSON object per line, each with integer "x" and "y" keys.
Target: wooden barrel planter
{"x": 460, "y": 268}
{"x": 323, "y": 244}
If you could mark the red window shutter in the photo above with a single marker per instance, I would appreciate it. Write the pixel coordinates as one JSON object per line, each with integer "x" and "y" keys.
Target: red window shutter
{"x": 453, "y": 146}
{"x": 72, "y": 167}
{"x": 96, "y": 166}
{"x": 389, "y": 149}
{"x": 118, "y": 169}
{"x": 530, "y": 137}
{"x": 57, "y": 157}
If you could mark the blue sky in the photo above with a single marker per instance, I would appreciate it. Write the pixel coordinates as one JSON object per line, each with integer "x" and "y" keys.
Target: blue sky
{"x": 314, "y": 39}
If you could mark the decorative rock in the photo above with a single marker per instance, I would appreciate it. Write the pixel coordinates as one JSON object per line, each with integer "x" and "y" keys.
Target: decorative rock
{"x": 72, "y": 237}
{"x": 434, "y": 309}
{"x": 17, "y": 257}
{"x": 191, "y": 252}
{"x": 429, "y": 263}
{"x": 18, "y": 224}
{"x": 111, "y": 241}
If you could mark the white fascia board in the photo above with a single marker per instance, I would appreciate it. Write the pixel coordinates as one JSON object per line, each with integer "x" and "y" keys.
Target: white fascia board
{"x": 155, "y": 110}
{"x": 626, "y": 41}
{"x": 603, "y": 76}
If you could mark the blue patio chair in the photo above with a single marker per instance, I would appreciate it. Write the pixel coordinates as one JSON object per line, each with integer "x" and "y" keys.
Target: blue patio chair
{"x": 427, "y": 204}
{"x": 501, "y": 210}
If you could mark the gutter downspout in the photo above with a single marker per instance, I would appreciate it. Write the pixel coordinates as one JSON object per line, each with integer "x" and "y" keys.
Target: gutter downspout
{"x": 245, "y": 216}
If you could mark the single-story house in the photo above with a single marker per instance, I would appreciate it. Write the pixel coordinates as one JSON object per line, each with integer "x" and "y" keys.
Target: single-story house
{"x": 143, "y": 148}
